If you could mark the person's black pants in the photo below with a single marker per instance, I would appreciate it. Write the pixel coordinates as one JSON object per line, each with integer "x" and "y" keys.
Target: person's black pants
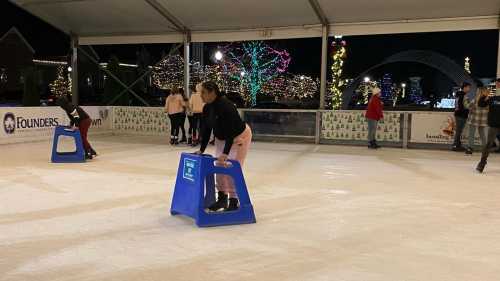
{"x": 194, "y": 125}
{"x": 181, "y": 121}
{"x": 173, "y": 125}
{"x": 460, "y": 125}
{"x": 177, "y": 124}
{"x": 490, "y": 143}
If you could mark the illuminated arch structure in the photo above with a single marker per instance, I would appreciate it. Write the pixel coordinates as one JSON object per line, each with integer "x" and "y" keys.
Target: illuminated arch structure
{"x": 432, "y": 59}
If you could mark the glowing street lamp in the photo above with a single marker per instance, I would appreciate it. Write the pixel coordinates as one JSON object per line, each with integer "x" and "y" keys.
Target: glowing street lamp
{"x": 403, "y": 85}
{"x": 367, "y": 79}
{"x": 218, "y": 55}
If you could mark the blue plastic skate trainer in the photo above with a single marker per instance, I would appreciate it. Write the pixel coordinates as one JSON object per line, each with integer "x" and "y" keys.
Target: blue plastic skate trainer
{"x": 77, "y": 156}
{"x": 195, "y": 190}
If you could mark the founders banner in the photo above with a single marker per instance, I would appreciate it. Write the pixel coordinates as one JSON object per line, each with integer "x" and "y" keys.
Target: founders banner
{"x": 29, "y": 123}
{"x": 21, "y": 124}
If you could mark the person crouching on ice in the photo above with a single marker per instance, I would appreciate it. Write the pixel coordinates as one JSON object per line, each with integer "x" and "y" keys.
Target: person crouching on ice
{"x": 232, "y": 141}
{"x": 79, "y": 119}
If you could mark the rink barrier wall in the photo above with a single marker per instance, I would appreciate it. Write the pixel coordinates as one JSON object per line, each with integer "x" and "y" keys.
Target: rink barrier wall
{"x": 397, "y": 129}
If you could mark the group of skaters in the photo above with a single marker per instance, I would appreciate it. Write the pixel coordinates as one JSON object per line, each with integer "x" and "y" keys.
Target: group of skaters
{"x": 482, "y": 114}
{"x": 178, "y": 106}
{"x": 479, "y": 113}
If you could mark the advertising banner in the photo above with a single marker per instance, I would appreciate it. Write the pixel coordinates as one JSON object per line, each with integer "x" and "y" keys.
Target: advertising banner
{"x": 29, "y": 123}
{"x": 436, "y": 128}
{"x": 22, "y": 124}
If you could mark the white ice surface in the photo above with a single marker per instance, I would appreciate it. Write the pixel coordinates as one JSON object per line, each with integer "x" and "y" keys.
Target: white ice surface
{"x": 324, "y": 213}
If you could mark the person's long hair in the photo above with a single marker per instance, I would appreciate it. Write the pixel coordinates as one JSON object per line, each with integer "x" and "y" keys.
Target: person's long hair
{"x": 481, "y": 91}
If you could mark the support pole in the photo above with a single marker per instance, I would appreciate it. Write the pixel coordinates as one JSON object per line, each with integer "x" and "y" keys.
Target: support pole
{"x": 498, "y": 53}
{"x": 74, "y": 69}
{"x": 317, "y": 131}
{"x": 324, "y": 64}
{"x": 187, "y": 41}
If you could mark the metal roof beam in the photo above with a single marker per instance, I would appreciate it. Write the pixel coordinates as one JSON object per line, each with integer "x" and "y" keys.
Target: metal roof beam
{"x": 319, "y": 12}
{"x": 47, "y": 2}
{"x": 179, "y": 26}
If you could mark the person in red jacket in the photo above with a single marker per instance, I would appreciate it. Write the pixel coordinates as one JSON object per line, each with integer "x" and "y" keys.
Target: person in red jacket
{"x": 374, "y": 113}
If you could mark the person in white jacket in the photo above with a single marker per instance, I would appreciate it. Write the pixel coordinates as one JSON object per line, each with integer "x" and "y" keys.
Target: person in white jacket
{"x": 195, "y": 106}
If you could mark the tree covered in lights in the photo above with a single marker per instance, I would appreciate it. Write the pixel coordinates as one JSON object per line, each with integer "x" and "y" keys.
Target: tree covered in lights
{"x": 224, "y": 74}
{"x": 169, "y": 73}
{"x": 254, "y": 63}
{"x": 337, "y": 84}
{"x": 467, "y": 65}
{"x": 364, "y": 90}
{"x": 61, "y": 86}
{"x": 276, "y": 87}
{"x": 301, "y": 87}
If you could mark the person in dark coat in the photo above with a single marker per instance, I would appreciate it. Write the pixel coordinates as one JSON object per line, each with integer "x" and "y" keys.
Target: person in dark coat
{"x": 493, "y": 101}
{"x": 461, "y": 115}
{"x": 78, "y": 119}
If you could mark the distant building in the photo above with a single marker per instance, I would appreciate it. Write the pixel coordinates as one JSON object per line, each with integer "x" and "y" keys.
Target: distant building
{"x": 16, "y": 54}
{"x": 416, "y": 93}
{"x": 386, "y": 87}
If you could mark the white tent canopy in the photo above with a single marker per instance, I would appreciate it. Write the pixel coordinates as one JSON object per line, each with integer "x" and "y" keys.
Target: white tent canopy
{"x": 100, "y": 22}
{"x": 165, "y": 21}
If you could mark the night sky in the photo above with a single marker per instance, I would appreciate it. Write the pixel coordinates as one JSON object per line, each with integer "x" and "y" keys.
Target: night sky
{"x": 362, "y": 51}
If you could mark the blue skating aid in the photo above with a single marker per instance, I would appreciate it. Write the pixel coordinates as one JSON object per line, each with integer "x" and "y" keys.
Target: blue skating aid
{"x": 195, "y": 190}
{"x": 77, "y": 156}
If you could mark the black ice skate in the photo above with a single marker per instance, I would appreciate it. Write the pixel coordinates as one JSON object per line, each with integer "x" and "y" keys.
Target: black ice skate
{"x": 480, "y": 166}
{"x": 220, "y": 204}
{"x": 468, "y": 150}
{"x": 88, "y": 155}
{"x": 233, "y": 205}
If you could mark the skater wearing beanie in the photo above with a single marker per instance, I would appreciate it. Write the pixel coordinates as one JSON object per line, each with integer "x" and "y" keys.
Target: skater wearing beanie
{"x": 232, "y": 141}
{"x": 79, "y": 119}
{"x": 493, "y": 101}
{"x": 374, "y": 113}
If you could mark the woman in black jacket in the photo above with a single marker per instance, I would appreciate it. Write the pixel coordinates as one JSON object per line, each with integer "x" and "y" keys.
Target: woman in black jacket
{"x": 232, "y": 140}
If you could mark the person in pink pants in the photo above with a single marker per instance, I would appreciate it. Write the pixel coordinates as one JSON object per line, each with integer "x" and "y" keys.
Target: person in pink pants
{"x": 232, "y": 140}
{"x": 238, "y": 152}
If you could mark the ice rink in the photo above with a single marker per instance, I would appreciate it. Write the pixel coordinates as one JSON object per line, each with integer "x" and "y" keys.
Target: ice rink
{"x": 323, "y": 212}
